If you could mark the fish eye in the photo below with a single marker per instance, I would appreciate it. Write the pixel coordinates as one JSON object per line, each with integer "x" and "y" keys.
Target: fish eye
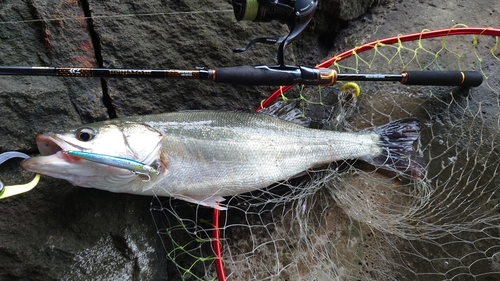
{"x": 85, "y": 134}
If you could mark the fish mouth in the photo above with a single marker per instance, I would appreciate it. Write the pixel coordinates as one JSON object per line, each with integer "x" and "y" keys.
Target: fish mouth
{"x": 53, "y": 161}
{"x": 49, "y": 145}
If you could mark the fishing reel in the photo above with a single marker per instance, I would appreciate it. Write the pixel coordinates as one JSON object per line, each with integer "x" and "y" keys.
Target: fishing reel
{"x": 296, "y": 14}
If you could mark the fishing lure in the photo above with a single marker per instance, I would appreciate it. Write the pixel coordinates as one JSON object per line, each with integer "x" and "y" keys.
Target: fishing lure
{"x": 115, "y": 161}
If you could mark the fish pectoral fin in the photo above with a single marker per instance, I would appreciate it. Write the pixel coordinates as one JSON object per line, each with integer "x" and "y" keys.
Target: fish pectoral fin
{"x": 212, "y": 201}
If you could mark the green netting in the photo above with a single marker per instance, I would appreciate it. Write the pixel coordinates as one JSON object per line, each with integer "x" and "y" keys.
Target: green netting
{"x": 349, "y": 221}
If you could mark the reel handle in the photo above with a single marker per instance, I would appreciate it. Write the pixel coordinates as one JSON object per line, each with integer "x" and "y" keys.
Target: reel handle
{"x": 296, "y": 14}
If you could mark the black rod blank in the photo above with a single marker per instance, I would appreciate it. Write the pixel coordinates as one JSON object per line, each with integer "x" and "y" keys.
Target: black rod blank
{"x": 105, "y": 72}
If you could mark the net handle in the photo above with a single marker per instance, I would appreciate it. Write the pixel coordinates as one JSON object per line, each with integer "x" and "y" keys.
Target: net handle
{"x": 216, "y": 245}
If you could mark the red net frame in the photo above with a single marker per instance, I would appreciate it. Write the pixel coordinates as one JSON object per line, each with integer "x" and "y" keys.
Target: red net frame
{"x": 425, "y": 34}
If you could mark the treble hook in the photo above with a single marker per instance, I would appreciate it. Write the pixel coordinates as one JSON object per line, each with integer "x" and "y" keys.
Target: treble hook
{"x": 11, "y": 190}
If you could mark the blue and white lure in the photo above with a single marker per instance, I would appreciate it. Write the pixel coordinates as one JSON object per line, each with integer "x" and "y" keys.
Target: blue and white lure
{"x": 115, "y": 161}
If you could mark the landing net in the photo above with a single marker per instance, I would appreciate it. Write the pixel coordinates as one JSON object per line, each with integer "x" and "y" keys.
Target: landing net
{"x": 350, "y": 221}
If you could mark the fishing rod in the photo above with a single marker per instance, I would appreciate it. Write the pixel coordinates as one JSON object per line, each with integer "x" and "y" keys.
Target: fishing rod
{"x": 296, "y": 14}
{"x": 262, "y": 75}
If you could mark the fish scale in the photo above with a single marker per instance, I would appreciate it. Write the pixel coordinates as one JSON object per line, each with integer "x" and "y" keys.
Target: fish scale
{"x": 206, "y": 155}
{"x": 252, "y": 150}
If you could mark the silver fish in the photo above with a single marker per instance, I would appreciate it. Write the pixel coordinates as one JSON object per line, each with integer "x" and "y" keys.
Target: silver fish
{"x": 203, "y": 156}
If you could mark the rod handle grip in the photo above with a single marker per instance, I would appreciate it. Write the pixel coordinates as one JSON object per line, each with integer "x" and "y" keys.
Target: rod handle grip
{"x": 275, "y": 75}
{"x": 443, "y": 78}
{"x": 253, "y": 76}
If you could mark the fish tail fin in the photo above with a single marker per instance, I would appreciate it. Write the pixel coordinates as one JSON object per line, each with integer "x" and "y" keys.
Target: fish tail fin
{"x": 398, "y": 154}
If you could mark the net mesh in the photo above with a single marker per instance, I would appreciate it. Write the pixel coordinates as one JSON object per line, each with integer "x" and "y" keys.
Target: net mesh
{"x": 350, "y": 221}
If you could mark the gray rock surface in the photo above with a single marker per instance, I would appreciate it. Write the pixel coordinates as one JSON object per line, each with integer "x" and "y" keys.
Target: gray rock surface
{"x": 348, "y": 10}
{"x": 61, "y": 232}
{"x": 57, "y": 231}
{"x": 32, "y": 36}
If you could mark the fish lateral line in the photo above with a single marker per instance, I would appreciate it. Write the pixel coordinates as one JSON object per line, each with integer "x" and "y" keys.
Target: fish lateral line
{"x": 115, "y": 161}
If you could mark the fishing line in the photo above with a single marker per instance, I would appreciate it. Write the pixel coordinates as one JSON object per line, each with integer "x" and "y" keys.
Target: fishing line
{"x": 113, "y": 16}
